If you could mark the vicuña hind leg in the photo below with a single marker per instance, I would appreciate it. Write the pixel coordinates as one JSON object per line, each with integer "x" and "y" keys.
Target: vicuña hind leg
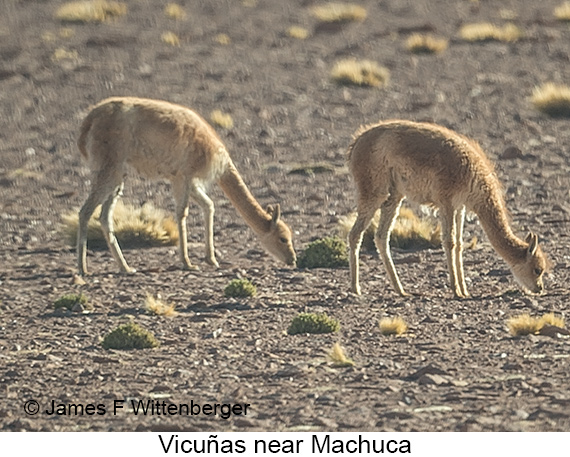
{"x": 102, "y": 184}
{"x": 365, "y": 215}
{"x": 207, "y": 205}
{"x": 106, "y": 220}
{"x": 449, "y": 242}
{"x": 388, "y": 213}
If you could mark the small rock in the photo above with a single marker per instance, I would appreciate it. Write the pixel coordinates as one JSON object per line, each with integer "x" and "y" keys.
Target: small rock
{"x": 511, "y": 152}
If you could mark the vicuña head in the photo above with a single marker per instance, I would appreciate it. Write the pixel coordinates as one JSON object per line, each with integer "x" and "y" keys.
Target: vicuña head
{"x": 431, "y": 164}
{"x": 168, "y": 141}
{"x": 530, "y": 268}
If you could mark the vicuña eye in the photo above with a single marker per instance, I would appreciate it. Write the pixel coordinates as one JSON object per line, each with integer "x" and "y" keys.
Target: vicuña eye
{"x": 283, "y": 240}
{"x": 538, "y": 271}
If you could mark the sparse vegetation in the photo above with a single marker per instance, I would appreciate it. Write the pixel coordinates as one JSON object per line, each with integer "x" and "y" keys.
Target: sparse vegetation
{"x": 223, "y": 39}
{"x": 339, "y": 12}
{"x": 90, "y": 11}
{"x": 297, "y": 32}
{"x": 313, "y": 323}
{"x": 221, "y": 119}
{"x": 63, "y": 54}
{"x": 157, "y": 307}
{"x": 552, "y": 99}
{"x": 240, "y": 288}
{"x": 129, "y": 336}
{"x": 328, "y": 252}
{"x": 360, "y": 73}
{"x": 485, "y": 31}
{"x": 174, "y": 11}
{"x": 409, "y": 232}
{"x": 68, "y": 301}
{"x": 393, "y": 326}
{"x": 170, "y": 38}
{"x": 562, "y": 12}
{"x": 338, "y": 357}
{"x": 134, "y": 227}
{"x": 525, "y": 324}
{"x": 426, "y": 44}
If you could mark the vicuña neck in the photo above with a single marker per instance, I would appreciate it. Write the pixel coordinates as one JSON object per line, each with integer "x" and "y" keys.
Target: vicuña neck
{"x": 493, "y": 217}
{"x": 237, "y": 192}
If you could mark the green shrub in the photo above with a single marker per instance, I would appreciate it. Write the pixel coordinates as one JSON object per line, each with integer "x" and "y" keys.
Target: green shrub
{"x": 129, "y": 336}
{"x": 68, "y": 301}
{"x": 328, "y": 252}
{"x": 313, "y": 323}
{"x": 240, "y": 288}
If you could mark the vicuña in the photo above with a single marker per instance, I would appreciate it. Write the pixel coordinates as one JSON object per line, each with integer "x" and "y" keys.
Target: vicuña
{"x": 431, "y": 164}
{"x": 164, "y": 140}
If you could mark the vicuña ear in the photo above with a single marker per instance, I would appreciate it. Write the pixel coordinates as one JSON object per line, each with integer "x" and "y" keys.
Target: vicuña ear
{"x": 532, "y": 241}
{"x": 275, "y": 212}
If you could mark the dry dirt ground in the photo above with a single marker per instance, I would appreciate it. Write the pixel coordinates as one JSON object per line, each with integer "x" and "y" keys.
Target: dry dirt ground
{"x": 457, "y": 368}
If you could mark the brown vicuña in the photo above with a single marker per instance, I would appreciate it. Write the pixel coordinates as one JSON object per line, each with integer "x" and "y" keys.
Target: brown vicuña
{"x": 164, "y": 140}
{"x": 431, "y": 164}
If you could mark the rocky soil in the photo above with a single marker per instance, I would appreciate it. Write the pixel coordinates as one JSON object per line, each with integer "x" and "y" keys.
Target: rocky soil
{"x": 457, "y": 369}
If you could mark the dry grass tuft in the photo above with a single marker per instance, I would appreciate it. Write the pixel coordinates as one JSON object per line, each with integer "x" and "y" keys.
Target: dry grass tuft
{"x": 90, "y": 11}
{"x": 409, "y": 232}
{"x": 485, "y": 31}
{"x": 170, "y": 38}
{"x": 297, "y": 32}
{"x": 426, "y": 44}
{"x": 552, "y": 99}
{"x": 338, "y": 357}
{"x": 221, "y": 119}
{"x": 63, "y": 54}
{"x": 393, "y": 326}
{"x": 525, "y": 324}
{"x": 562, "y": 12}
{"x": 157, "y": 307}
{"x": 134, "y": 227}
{"x": 339, "y": 13}
{"x": 360, "y": 73}
{"x": 174, "y": 11}
{"x": 552, "y": 319}
{"x": 223, "y": 39}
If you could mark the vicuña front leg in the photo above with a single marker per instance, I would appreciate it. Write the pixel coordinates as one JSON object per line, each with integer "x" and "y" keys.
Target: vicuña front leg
{"x": 182, "y": 196}
{"x": 449, "y": 242}
{"x": 459, "y": 223}
{"x": 388, "y": 214}
{"x": 207, "y": 205}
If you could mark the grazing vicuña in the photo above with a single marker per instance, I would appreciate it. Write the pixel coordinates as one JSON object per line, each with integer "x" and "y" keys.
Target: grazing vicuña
{"x": 163, "y": 140}
{"x": 431, "y": 164}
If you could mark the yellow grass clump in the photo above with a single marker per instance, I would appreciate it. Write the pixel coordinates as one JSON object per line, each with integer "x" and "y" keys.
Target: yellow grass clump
{"x": 157, "y": 307}
{"x": 134, "y": 227}
{"x": 170, "y": 38}
{"x": 297, "y": 32}
{"x": 409, "y": 232}
{"x": 63, "y": 54}
{"x": 221, "y": 119}
{"x": 360, "y": 73}
{"x": 223, "y": 39}
{"x": 562, "y": 12}
{"x": 393, "y": 326}
{"x": 90, "y": 11}
{"x": 485, "y": 31}
{"x": 552, "y": 99}
{"x": 525, "y": 324}
{"x": 338, "y": 357}
{"x": 425, "y": 44}
{"x": 174, "y": 11}
{"x": 339, "y": 12}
